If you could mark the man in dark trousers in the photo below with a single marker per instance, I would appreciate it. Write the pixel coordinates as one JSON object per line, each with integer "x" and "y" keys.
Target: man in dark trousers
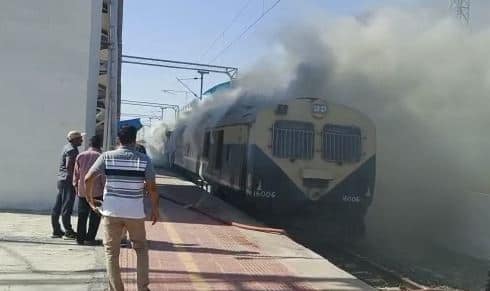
{"x": 84, "y": 161}
{"x": 66, "y": 192}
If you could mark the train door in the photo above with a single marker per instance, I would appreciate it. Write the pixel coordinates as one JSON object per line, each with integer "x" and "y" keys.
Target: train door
{"x": 227, "y": 155}
{"x": 218, "y": 158}
{"x": 206, "y": 147}
{"x": 215, "y": 154}
{"x": 204, "y": 155}
{"x": 178, "y": 156}
{"x": 242, "y": 177}
{"x": 235, "y": 139}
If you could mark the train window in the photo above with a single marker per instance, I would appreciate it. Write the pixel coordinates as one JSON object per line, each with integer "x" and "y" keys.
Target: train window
{"x": 206, "y": 145}
{"x": 293, "y": 139}
{"x": 342, "y": 143}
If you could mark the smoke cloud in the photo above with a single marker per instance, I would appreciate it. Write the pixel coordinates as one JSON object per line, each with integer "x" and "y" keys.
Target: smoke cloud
{"x": 425, "y": 81}
{"x": 154, "y": 139}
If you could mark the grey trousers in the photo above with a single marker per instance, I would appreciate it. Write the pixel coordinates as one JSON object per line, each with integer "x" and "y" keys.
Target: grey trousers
{"x": 63, "y": 206}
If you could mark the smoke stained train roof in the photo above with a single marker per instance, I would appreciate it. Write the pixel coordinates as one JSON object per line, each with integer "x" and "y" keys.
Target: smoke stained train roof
{"x": 223, "y": 110}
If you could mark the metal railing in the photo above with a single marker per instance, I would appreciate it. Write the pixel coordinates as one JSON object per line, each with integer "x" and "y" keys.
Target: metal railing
{"x": 293, "y": 143}
{"x": 341, "y": 143}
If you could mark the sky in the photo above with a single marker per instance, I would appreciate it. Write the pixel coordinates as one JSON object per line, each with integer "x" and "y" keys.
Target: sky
{"x": 198, "y": 30}
{"x": 192, "y": 30}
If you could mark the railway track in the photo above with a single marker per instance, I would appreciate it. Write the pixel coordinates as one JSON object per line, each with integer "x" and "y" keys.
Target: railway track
{"x": 372, "y": 273}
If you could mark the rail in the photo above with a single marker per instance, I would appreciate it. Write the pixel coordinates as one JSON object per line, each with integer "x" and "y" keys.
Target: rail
{"x": 374, "y": 274}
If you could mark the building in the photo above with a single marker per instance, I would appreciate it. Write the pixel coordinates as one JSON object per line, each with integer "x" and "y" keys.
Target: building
{"x": 60, "y": 70}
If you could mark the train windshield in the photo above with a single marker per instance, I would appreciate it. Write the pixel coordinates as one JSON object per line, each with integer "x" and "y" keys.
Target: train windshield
{"x": 341, "y": 143}
{"x": 293, "y": 139}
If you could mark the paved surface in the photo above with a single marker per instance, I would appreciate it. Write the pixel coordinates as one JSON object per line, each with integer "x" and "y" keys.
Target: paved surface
{"x": 191, "y": 251}
{"x": 30, "y": 260}
{"x": 188, "y": 251}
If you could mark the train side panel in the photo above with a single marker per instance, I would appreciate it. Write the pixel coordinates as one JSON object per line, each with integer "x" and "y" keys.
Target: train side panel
{"x": 303, "y": 164}
{"x": 224, "y": 153}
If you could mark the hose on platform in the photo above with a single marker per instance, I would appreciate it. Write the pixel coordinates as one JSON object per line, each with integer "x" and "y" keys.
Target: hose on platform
{"x": 226, "y": 222}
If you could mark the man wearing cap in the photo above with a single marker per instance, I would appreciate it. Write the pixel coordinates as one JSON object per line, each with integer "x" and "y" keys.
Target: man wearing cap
{"x": 66, "y": 192}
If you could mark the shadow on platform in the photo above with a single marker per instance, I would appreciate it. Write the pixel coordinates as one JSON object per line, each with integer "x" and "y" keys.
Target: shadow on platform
{"x": 240, "y": 281}
{"x": 40, "y": 242}
{"x": 49, "y": 281}
{"x": 192, "y": 248}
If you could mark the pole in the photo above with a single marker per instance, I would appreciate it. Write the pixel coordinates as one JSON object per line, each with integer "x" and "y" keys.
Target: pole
{"x": 112, "y": 105}
{"x": 202, "y": 73}
{"x": 202, "y": 81}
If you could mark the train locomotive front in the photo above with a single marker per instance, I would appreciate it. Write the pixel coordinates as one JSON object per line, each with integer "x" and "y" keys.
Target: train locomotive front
{"x": 305, "y": 164}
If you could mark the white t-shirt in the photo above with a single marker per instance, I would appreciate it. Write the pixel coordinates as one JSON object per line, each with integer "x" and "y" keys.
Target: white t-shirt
{"x": 126, "y": 171}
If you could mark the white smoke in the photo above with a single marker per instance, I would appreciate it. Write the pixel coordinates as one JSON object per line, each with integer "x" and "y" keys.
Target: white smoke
{"x": 425, "y": 81}
{"x": 154, "y": 138}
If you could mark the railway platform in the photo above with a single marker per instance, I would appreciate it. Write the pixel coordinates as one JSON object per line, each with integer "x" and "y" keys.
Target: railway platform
{"x": 206, "y": 244}
{"x": 192, "y": 248}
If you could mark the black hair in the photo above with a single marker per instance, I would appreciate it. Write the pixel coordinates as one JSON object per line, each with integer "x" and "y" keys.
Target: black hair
{"x": 95, "y": 142}
{"x": 127, "y": 135}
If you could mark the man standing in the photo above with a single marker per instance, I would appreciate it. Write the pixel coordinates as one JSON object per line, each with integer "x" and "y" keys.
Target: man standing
{"x": 125, "y": 243}
{"x": 141, "y": 148}
{"x": 84, "y": 161}
{"x": 66, "y": 193}
{"x": 126, "y": 172}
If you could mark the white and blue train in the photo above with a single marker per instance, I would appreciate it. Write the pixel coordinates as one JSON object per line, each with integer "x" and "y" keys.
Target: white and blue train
{"x": 303, "y": 164}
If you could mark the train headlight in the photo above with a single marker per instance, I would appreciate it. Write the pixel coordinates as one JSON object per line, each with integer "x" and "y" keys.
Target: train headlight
{"x": 319, "y": 109}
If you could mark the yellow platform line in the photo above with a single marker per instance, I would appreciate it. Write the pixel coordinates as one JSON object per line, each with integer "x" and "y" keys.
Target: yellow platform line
{"x": 198, "y": 281}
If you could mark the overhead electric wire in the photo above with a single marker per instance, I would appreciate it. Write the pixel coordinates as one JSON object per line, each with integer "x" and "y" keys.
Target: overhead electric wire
{"x": 138, "y": 115}
{"x": 245, "y": 31}
{"x": 235, "y": 18}
{"x": 174, "y": 62}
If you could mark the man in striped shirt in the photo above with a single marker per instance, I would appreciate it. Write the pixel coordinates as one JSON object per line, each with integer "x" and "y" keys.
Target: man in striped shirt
{"x": 127, "y": 171}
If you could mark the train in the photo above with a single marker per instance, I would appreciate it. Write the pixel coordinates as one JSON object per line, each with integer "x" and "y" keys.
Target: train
{"x": 304, "y": 164}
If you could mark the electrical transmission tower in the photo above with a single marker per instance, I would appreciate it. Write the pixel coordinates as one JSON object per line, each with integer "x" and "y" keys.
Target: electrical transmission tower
{"x": 462, "y": 9}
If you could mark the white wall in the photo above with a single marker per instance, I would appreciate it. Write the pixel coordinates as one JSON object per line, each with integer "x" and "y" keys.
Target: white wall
{"x": 48, "y": 85}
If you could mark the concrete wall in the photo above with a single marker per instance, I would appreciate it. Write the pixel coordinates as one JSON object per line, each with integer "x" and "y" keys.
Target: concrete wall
{"x": 48, "y": 85}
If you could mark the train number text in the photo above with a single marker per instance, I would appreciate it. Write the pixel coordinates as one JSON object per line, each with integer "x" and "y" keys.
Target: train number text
{"x": 351, "y": 198}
